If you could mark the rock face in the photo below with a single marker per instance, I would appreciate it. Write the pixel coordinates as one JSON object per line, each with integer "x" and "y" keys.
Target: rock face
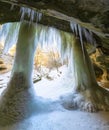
{"x": 101, "y": 66}
{"x": 87, "y": 11}
{"x": 98, "y": 72}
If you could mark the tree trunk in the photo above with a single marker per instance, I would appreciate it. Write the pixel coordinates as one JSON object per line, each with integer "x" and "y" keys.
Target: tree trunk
{"x": 16, "y": 99}
{"x": 86, "y": 95}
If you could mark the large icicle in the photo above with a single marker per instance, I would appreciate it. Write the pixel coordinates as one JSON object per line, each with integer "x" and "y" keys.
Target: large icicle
{"x": 17, "y": 100}
{"x": 86, "y": 95}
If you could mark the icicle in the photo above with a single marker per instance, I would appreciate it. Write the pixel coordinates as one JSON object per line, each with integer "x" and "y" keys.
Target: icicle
{"x": 81, "y": 40}
{"x": 39, "y": 16}
{"x": 4, "y": 32}
{"x": 64, "y": 45}
{"x": 82, "y": 32}
{"x": 12, "y": 7}
{"x": 32, "y": 15}
{"x": 54, "y": 36}
{"x": 22, "y": 10}
{"x": 49, "y": 37}
{"x": 89, "y": 36}
{"x": 9, "y": 35}
{"x": 43, "y": 36}
{"x": 74, "y": 27}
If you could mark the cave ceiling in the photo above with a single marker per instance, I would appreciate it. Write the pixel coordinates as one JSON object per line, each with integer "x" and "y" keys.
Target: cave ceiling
{"x": 91, "y": 14}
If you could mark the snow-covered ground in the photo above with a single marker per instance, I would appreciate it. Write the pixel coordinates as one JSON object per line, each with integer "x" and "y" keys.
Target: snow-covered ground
{"x": 53, "y": 116}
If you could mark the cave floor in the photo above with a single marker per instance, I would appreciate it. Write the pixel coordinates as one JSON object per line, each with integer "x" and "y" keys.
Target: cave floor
{"x": 57, "y": 119}
{"x": 63, "y": 120}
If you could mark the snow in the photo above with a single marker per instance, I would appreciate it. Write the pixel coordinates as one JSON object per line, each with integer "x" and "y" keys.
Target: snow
{"x": 53, "y": 116}
{"x": 63, "y": 120}
{"x": 59, "y": 85}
